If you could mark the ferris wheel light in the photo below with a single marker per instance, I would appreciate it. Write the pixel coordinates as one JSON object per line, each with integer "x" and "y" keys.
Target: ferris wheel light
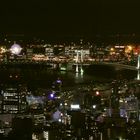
{"x": 15, "y": 49}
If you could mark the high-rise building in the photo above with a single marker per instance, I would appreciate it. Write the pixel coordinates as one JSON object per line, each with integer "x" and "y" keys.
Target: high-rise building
{"x": 29, "y": 53}
{"x": 1, "y": 97}
{"x": 10, "y": 100}
{"x": 13, "y": 100}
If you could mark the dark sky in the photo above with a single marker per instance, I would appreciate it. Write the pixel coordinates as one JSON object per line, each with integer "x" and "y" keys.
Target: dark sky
{"x": 70, "y": 17}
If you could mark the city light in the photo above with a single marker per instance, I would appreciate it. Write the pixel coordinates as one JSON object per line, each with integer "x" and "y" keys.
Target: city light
{"x": 97, "y": 93}
{"x": 76, "y": 106}
{"x": 52, "y": 95}
{"x": 63, "y": 69}
{"x": 111, "y": 49}
{"x": 58, "y": 81}
{"x": 130, "y": 48}
{"x": 94, "y": 106}
{"x": 2, "y": 50}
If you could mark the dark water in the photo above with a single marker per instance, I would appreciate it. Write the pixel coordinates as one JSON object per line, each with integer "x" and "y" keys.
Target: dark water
{"x": 35, "y": 77}
{"x": 110, "y": 72}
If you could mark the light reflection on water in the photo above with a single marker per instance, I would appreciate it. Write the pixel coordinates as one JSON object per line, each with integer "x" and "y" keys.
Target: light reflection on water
{"x": 138, "y": 75}
{"x": 44, "y": 77}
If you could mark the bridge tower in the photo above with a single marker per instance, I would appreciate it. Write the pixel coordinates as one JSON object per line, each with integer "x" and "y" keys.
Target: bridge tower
{"x": 138, "y": 63}
{"x": 138, "y": 68}
{"x": 79, "y": 61}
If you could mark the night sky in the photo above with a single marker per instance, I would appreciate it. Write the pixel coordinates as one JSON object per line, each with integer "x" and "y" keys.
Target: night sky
{"x": 70, "y": 17}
